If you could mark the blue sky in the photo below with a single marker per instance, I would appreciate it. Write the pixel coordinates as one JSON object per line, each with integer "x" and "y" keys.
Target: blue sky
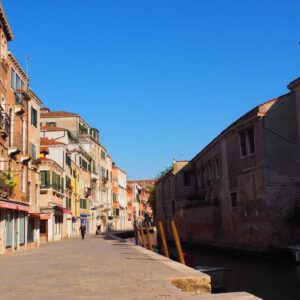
{"x": 159, "y": 79}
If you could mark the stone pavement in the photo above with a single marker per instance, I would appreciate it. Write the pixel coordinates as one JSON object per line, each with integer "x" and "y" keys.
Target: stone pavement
{"x": 94, "y": 268}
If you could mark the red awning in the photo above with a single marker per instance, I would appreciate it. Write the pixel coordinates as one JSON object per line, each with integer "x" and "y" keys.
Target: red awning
{"x": 64, "y": 210}
{"x": 8, "y": 205}
{"x": 36, "y": 215}
{"x": 23, "y": 208}
{"x": 13, "y": 206}
{"x": 45, "y": 216}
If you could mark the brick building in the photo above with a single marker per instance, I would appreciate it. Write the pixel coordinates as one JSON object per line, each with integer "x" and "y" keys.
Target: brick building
{"x": 243, "y": 189}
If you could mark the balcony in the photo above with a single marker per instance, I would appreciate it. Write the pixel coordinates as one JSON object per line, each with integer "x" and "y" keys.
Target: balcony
{"x": 23, "y": 93}
{"x": 104, "y": 179}
{"x": 15, "y": 145}
{"x": 4, "y": 124}
{"x": 87, "y": 192}
{"x": 84, "y": 133}
{"x": 94, "y": 176}
{"x": 29, "y": 154}
{"x": 20, "y": 104}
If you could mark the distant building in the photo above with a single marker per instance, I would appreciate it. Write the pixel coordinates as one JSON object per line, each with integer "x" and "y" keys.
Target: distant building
{"x": 243, "y": 189}
{"x": 141, "y": 190}
{"x": 71, "y": 129}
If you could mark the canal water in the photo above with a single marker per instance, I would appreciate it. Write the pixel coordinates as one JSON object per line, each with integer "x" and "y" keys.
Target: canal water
{"x": 269, "y": 279}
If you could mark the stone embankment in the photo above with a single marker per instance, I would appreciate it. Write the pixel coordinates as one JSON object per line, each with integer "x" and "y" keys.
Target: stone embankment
{"x": 101, "y": 268}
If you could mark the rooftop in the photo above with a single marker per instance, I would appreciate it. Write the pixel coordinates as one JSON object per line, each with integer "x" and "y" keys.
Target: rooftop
{"x": 48, "y": 142}
{"x": 5, "y": 24}
{"x": 58, "y": 114}
{"x": 52, "y": 128}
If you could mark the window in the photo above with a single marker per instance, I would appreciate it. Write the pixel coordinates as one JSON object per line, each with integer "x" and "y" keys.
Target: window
{"x": 251, "y": 142}
{"x": 13, "y": 78}
{"x": 115, "y": 197}
{"x": 217, "y": 167}
{"x": 34, "y": 120}
{"x": 68, "y": 182}
{"x": 83, "y": 203}
{"x": 233, "y": 200}
{"x": 45, "y": 179}
{"x": 36, "y": 195}
{"x": 68, "y": 203}
{"x": 83, "y": 164}
{"x": 18, "y": 82}
{"x": 102, "y": 155}
{"x": 199, "y": 178}
{"x": 82, "y": 129}
{"x": 56, "y": 182}
{"x": 247, "y": 142}
{"x": 210, "y": 171}
{"x": 51, "y": 124}
{"x": 243, "y": 143}
{"x": 23, "y": 180}
{"x": 187, "y": 178}
{"x": 68, "y": 160}
{"x": 32, "y": 149}
{"x": 203, "y": 178}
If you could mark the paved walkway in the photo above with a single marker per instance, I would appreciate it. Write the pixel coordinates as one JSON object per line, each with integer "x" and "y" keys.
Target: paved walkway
{"x": 94, "y": 268}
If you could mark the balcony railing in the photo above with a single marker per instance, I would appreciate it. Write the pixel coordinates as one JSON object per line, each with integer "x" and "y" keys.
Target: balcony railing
{"x": 75, "y": 136}
{"x": 104, "y": 179}
{"x": 22, "y": 94}
{"x": 20, "y": 105}
{"x": 4, "y": 124}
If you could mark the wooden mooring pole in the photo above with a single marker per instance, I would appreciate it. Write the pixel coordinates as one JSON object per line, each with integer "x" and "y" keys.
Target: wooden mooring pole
{"x": 136, "y": 232}
{"x": 143, "y": 236}
{"x": 163, "y": 239}
{"x": 177, "y": 243}
{"x": 149, "y": 238}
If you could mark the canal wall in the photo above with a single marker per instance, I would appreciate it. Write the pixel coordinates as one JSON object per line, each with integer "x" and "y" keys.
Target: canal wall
{"x": 190, "y": 281}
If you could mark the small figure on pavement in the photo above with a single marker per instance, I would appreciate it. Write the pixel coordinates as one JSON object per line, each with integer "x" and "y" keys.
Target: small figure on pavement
{"x": 98, "y": 230}
{"x": 82, "y": 230}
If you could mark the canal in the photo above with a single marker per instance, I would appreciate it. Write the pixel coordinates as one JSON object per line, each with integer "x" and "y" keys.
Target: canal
{"x": 270, "y": 279}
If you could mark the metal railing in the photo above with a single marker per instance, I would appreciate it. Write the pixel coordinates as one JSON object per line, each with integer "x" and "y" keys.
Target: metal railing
{"x": 75, "y": 136}
{"x": 4, "y": 122}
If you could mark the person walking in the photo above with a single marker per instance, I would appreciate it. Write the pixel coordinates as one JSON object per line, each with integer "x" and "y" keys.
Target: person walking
{"x": 98, "y": 230}
{"x": 82, "y": 230}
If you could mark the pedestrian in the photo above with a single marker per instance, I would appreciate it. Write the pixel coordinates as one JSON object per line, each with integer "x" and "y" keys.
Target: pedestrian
{"x": 82, "y": 230}
{"x": 98, "y": 230}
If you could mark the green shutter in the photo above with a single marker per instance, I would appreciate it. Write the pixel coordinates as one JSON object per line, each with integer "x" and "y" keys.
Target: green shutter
{"x": 43, "y": 178}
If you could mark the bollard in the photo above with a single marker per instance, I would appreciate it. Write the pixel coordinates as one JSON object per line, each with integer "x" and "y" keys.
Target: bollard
{"x": 177, "y": 243}
{"x": 163, "y": 239}
{"x": 142, "y": 235}
{"x": 136, "y": 233}
{"x": 149, "y": 238}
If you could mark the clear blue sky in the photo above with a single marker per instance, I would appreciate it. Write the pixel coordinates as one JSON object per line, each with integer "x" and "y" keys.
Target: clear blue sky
{"x": 160, "y": 79}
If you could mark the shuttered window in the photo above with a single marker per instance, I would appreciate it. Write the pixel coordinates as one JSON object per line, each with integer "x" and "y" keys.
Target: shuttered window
{"x": 45, "y": 179}
{"x": 34, "y": 119}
